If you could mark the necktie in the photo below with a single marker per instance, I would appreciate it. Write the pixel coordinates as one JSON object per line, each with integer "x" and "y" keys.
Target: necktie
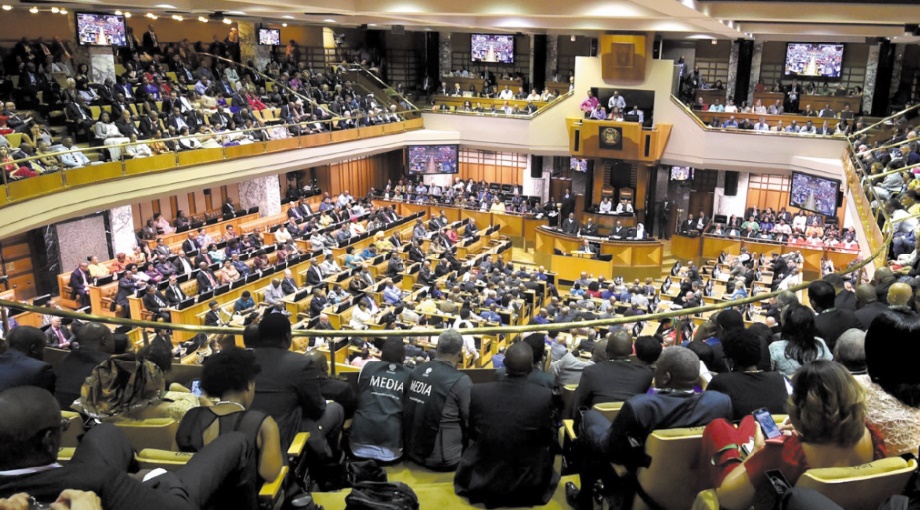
{"x": 210, "y": 278}
{"x": 176, "y": 291}
{"x": 59, "y": 335}
{"x": 160, "y": 302}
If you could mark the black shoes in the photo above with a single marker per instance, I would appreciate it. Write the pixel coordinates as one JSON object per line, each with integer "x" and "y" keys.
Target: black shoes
{"x": 571, "y": 494}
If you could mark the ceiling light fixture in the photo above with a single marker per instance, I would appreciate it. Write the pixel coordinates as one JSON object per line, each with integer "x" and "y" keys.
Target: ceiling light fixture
{"x": 177, "y": 17}
{"x": 64, "y": 11}
{"x": 227, "y": 21}
{"x": 287, "y": 16}
{"x": 284, "y": 25}
{"x": 165, "y": 6}
{"x": 572, "y": 39}
{"x": 7, "y": 7}
{"x": 372, "y": 24}
{"x": 151, "y": 15}
{"x": 55, "y": 10}
{"x": 127, "y": 14}
{"x": 714, "y": 42}
{"x": 34, "y": 10}
{"x": 118, "y": 13}
{"x": 328, "y": 20}
{"x": 202, "y": 19}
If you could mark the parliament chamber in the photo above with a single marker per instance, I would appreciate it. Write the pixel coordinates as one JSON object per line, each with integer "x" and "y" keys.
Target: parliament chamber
{"x": 460, "y": 265}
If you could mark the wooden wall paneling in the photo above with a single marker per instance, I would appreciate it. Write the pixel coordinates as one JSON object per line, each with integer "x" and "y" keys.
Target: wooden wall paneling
{"x": 17, "y": 258}
{"x": 200, "y": 206}
{"x": 324, "y": 177}
{"x": 136, "y": 214}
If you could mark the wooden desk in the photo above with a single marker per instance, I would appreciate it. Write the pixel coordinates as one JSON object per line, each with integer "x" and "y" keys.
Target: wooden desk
{"x": 768, "y": 98}
{"x": 606, "y": 222}
{"x": 215, "y": 230}
{"x": 713, "y": 246}
{"x": 686, "y": 247}
{"x": 477, "y": 82}
{"x": 558, "y": 88}
{"x": 630, "y": 259}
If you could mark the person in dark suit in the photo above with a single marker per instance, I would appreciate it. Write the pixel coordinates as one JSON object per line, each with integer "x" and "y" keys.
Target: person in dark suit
{"x": 614, "y": 380}
{"x": 618, "y": 230}
{"x": 206, "y": 279}
{"x": 830, "y": 322}
{"x": 424, "y": 274}
{"x": 868, "y": 307}
{"x": 127, "y": 286}
{"x": 191, "y": 243}
{"x": 570, "y": 225}
{"x": 395, "y": 266}
{"x": 155, "y": 302}
{"x": 80, "y": 115}
{"x": 314, "y": 274}
{"x": 174, "y": 293}
{"x": 96, "y": 344}
{"x": 509, "y": 461}
{"x": 288, "y": 285}
{"x": 415, "y": 253}
{"x": 675, "y": 405}
{"x": 568, "y": 204}
{"x": 844, "y": 299}
{"x": 228, "y": 210}
{"x": 100, "y": 464}
{"x": 318, "y": 302}
{"x": 212, "y": 317}
{"x": 21, "y": 364}
{"x": 58, "y": 335}
{"x": 79, "y": 284}
{"x": 290, "y": 392}
{"x": 150, "y": 41}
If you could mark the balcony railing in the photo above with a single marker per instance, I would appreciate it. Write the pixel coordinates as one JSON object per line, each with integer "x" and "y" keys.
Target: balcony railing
{"x": 219, "y": 146}
{"x": 456, "y": 104}
{"x": 701, "y": 117}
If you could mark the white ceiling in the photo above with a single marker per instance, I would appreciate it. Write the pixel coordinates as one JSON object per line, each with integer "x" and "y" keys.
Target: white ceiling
{"x": 816, "y": 20}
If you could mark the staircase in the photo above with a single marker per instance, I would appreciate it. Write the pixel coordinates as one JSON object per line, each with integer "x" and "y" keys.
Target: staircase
{"x": 435, "y": 490}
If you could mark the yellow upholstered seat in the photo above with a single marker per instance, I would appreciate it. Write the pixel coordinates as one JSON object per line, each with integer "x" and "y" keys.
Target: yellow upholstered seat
{"x": 674, "y": 457}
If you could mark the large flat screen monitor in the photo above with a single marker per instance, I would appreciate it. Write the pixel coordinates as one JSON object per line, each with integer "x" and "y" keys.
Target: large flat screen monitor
{"x": 815, "y": 194}
{"x": 270, "y": 37}
{"x": 681, "y": 173}
{"x": 432, "y": 159}
{"x": 814, "y": 60}
{"x": 94, "y": 29}
{"x": 492, "y": 48}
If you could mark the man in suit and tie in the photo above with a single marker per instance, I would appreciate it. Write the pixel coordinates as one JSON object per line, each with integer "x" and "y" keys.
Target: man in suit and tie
{"x": 80, "y": 115}
{"x": 228, "y": 210}
{"x": 155, "y": 303}
{"x": 314, "y": 275}
{"x": 149, "y": 125}
{"x": 176, "y": 120}
{"x": 127, "y": 286}
{"x": 21, "y": 364}
{"x": 220, "y": 119}
{"x": 288, "y": 285}
{"x": 174, "y": 293}
{"x": 424, "y": 274}
{"x": 689, "y": 225}
{"x": 395, "y": 266}
{"x": 319, "y": 301}
{"x": 305, "y": 209}
{"x": 569, "y": 225}
{"x": 165, "y": 267}
{"x": 206, "y": 279}
{"x": 79, "y": 284}
{"x": 622, "y": 442}
{"x": 294, "y": 212}
{"x": 58, "y": 335}
{"x": 182, "y": 264}
{"x": 618, "y": 231}
{"x": 151, "y": 42}
{"x": 126, "y": 126}
{"x": 191, "y": 243}
{"x": 509, "y": 460}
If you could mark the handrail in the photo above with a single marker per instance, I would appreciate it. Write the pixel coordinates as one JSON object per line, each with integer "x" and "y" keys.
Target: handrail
{"x": 351, "y": 67}
{"x": 738, "y": 131}
{"x": 432, "y": 332}
{"x": 902, "y": 112}
{"x": 889, "y": 172}
{"x": 528, "y": 116}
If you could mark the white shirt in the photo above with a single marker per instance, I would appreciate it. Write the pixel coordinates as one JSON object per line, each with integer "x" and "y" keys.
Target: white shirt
{"x": 359, "y": 319}
{"x": 731, "y": 109}
{"x": 506, "y": 94}
{"x": 605, "y": 206}
{"x": 469, "y": 343}
{"x": 282, "y": 235}
{"x": 616, "y": 101}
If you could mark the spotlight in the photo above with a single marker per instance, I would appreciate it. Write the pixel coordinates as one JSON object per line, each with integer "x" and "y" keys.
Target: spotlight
{"x": 34, "y": 10}
{"x": 55, "y": 10}
{"x": 202, "y": 19}
{"x": 7, "y": 7}
{"x": 227, "y": 21}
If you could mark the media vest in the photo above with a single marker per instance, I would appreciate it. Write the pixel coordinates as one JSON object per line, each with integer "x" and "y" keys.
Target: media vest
{"x": 378, "y": 419}
{"x": 426, "y": 393}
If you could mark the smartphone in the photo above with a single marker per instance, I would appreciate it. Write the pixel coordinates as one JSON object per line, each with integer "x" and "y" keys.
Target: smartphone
{"x": 196, "y": 387}
{"x": 767, "y": 425}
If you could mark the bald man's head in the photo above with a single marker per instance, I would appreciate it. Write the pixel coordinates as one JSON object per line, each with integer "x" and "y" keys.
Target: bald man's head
{"x": 883, "y": 274}
{"x": 678, "y": 368}
{"x": 899, "y": 294}
{"x": 865, "y": 294}
{"x": 519, "y": 360}
{"x": 95, "y": 337}
{"x": 599, "y": 354}
{"x": 316, "y": 359}
{"x": 619, "y": 345}
{"x": 30, "y": 431}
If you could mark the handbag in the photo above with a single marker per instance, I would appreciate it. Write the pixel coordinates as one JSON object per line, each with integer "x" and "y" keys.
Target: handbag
{"x": 381, "y": 496}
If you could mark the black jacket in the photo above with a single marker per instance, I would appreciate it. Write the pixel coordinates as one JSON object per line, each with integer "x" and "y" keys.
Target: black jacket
{"x": 17, "y": 369}
{"x": 509, "y": 461}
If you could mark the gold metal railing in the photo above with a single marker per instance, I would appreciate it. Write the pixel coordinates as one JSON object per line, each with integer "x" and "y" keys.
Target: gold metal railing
{"x": 699, "y": 122}
{"x": 522, "y": 116}
{"x": 507, "y": 330}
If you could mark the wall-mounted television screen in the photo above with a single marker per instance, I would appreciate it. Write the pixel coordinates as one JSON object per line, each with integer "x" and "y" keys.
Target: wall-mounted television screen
{"x": 432, "y": 159}
{"x": 94, "y": 29}
{"x": 815, "y": 194}
{"x": 270, "y": 36}
{"x": 681, "y": 173}
{"x": 578, "y": 165}
{"x": 492, "y": 48}
{"x": 814, "y": 60}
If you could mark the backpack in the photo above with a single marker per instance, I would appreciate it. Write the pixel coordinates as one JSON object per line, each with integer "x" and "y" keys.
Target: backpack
{"x": 381, "y": 496}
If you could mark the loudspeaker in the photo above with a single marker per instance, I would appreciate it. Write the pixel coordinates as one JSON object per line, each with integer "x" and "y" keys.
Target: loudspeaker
{"x": 536, "y": 167}
{"x": 839, "y": 198}
{"x": 731, "y": 183}
{"x": 577, "y": 140}
{"x": 593, "y": 51}
{"x": 398, "y": 29}
{"x": 656, "y": 49}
